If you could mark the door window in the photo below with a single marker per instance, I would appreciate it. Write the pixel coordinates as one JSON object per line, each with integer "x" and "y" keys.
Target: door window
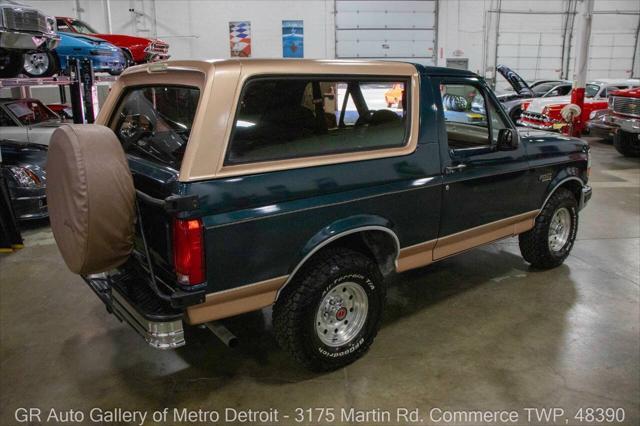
{"x": 472, "y": 120}
{"x": 283, "y": 118}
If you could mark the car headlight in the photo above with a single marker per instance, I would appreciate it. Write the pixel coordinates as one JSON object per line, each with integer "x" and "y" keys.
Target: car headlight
{"x": 592, "y": 115}
{"x": 545, "y": 110}
{"x": 24, "y": 177}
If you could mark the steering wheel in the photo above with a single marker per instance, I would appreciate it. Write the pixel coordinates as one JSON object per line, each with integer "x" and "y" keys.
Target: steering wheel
{"x": 139, "y": 125}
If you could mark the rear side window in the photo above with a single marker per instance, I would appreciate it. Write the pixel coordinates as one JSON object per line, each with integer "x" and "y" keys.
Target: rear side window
{"x": 283, "y": 118}
{"x": 154, "y": 122}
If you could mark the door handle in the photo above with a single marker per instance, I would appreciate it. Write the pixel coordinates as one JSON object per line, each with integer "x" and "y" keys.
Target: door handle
{"x": 452, "y": 169}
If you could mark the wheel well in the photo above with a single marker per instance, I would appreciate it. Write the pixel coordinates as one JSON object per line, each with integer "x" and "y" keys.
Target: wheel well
{"x": 574, "y": 186}
{"x": 381, "y": 246}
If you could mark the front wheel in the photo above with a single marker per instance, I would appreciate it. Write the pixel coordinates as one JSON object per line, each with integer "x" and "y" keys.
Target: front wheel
{"x": 627, "y": 144}
{"x": 550, "y": 241}
{"x": 39, "y": 64}
{"x": 330, "y": 314}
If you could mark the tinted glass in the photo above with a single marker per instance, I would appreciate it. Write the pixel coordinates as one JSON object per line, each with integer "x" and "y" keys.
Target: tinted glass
{"x": 300, "y": 117}
{"x": 154, "y": 122}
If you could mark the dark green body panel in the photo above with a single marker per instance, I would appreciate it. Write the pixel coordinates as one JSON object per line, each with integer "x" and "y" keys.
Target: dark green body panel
{"x": 261, "y": 226}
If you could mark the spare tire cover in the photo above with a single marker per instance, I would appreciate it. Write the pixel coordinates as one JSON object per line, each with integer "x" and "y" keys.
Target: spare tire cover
{"x": 91, "y": 198}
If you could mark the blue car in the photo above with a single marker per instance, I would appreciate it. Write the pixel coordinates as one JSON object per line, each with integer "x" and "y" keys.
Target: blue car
{"x": 104, "y": 56}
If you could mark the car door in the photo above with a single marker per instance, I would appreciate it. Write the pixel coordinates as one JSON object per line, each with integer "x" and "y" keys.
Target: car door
{"x": 485, "y": 188}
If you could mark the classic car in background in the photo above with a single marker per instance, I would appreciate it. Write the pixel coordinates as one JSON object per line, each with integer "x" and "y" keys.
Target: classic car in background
{"x": 544, "y": 113}
{"x": 63, "y": 110}
{"x": 523, "y": 92}
{"x": 137, "y": 50}
{"x": 104, "y": 56}
{"x": 23, "y": 29}
{"x": 624, "y": 112}
{"x": 27, "y": 120}
{"x": 23, "y": 167}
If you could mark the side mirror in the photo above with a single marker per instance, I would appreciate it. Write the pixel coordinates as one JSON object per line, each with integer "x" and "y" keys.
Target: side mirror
{"x": 507, "y": 141}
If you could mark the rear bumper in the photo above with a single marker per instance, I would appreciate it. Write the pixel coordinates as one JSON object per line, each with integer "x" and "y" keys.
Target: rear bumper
{"x": 134, "y": 303}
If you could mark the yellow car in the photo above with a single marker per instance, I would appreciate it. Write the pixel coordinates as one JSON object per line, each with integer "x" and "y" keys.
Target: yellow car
{"x": 393, "y": 96}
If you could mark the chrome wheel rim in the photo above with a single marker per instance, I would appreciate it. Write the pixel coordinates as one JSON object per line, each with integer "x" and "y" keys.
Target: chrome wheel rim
{"x": 341, "y": 314}
{"x": 559, "y": 229}
{"x": 36, "y": 63}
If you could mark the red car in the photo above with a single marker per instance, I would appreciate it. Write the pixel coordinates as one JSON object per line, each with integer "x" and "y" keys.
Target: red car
{"x": 137, "y": 50}
{"x": 544, "y": 113}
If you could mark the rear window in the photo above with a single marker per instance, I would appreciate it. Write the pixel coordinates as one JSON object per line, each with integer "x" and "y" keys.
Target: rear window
{"x": 154, "y": 122}
{"x": 283, "y": 118}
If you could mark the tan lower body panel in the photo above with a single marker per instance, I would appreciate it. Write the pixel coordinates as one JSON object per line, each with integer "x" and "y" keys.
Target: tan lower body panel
{"x": 237, "y": 301}
{"x": 483, "y": 234}
{"x": 256, "y": 296}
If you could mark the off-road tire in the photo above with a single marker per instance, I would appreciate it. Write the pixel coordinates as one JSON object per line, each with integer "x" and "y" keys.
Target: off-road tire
{"x": 294, "y": 314}
{"x": 625, "y": 145}
{"x": 534, "y": 244}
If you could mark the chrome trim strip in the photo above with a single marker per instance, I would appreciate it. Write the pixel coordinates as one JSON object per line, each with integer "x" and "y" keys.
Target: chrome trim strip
{"x": 335, "y": 237}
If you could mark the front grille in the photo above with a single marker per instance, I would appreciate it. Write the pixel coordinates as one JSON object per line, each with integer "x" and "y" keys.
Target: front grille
{"x": 626, "y": 106}
{"x": 534, "y": 116}
{"x": 158, "y": 48}
{"x": 24, "y": 20}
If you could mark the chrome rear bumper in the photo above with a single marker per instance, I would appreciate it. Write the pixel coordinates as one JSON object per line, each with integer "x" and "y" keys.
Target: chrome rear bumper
{"x": 161, "y": 332}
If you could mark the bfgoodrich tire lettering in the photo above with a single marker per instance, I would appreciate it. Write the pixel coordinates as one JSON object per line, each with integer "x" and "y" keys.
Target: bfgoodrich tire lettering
{"x": 535, "y": 245}
{"x": 295, "y": 313}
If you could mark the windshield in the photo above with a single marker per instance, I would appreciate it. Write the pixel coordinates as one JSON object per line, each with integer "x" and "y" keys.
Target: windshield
{"x": 591, "y": 90}
{"x": 543, "y": 88}
{"x": 154, "y": 122}
{"x": 31, "y": 111}
{"x": 82, "y": 28}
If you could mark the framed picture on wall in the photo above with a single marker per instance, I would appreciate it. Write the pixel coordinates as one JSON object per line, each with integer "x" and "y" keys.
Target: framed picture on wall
{"x": 240, "y": 39}
{"x": 292, "y": 39}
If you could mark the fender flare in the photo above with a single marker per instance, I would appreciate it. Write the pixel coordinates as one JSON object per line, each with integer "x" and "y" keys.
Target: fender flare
{"x": 339, "y": 229}
{"x": 558, "y": 184}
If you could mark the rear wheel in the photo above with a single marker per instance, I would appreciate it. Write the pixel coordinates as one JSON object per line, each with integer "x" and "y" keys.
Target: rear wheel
{"x": 627, "y": 144}
{"x": 550, "y": 241}
{"x": 330, "y": 314}
{"x": 40, "y": 64}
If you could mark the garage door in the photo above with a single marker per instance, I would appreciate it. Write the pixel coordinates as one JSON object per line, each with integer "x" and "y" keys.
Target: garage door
{"x": 399, "y": 30}
{"x": 531, "y": 42}
{"x": 612, "y": 45}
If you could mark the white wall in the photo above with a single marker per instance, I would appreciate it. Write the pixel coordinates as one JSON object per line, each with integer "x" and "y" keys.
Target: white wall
{"x": 197, "y": 29}
{"x": 466, "y": 29}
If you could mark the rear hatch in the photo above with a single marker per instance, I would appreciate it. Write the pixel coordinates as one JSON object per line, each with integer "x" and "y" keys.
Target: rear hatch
{"x": 153, "y": 123}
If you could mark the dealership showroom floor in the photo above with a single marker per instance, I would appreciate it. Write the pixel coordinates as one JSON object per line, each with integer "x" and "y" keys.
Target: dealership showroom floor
{"x": 479, "y": 330}
{"x": 210, "y": 208}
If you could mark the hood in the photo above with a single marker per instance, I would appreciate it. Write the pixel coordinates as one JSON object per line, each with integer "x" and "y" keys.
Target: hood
{"x": 83, "y": 37}
{"x": 519, "y": 85}
{"x": 628, "y": 93}
{"x": 16, "y": 153}
{"x": 538, "y": 104}
{"x": 127, "y": 40}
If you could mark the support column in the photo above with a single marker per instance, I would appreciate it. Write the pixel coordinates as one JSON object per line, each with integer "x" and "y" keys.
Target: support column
{"x": 582, "y": 61}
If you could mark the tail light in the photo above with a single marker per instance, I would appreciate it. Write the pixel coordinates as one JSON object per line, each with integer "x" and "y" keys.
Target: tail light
{"x": 188, "y": 251}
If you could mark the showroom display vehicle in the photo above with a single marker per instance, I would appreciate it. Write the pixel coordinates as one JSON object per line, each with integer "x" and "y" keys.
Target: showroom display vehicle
{"x": 624, "y": 113}
{"x": 24, "y": 31}
{"x": 27, "y": 120}
{"x": 545, "y": 113}
{"x": 23, "y": 166}
{"x": 137, "y": 50}
{"x": 236, "y": 185}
